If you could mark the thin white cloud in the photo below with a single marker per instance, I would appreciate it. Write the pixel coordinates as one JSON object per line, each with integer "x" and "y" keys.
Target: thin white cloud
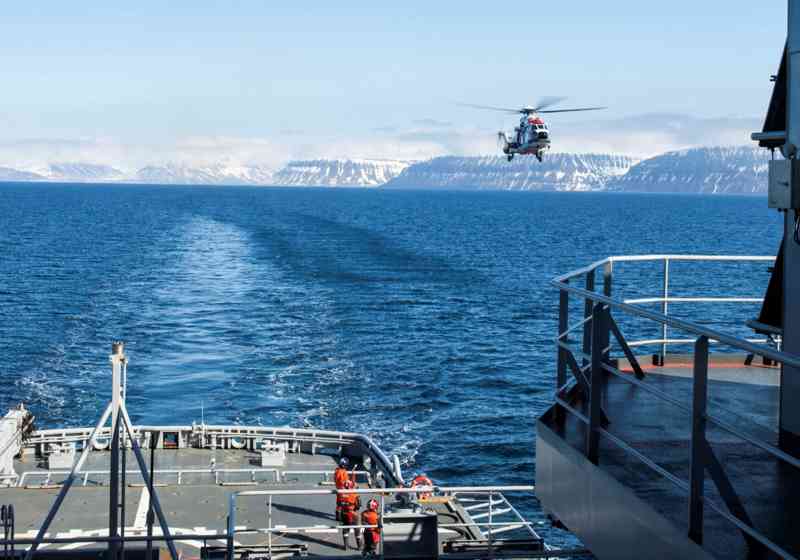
{"x": 639, "y": 136}
{"x": 648, "y": 135}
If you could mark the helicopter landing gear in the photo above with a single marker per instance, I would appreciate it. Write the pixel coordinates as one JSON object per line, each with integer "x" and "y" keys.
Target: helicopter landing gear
{"x": 510, "y": 157}
{"x": 539, "y": 156}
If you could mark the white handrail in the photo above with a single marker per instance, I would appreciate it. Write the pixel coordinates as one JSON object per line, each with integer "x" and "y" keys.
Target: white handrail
{"x": 47, "y": 475}
{"x": 387, "y": 491}
{"x": 232, "y": 529}
{"x": 606, "y": 265}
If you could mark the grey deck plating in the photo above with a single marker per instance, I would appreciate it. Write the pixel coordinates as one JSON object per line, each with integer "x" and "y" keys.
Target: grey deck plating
{"x": 745, "y": 397}
{"x": 199, "y": 504}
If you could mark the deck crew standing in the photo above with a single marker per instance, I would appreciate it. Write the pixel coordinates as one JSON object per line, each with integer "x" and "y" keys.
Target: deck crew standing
{"x": 422, "y": 480}
{"x": 341, "y": 474}
{"x": 372, "y": 535}
{"x": 347, "y": 506}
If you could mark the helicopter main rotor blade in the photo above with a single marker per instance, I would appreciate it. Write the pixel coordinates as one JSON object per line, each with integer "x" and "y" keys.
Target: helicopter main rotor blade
{"x": 546, "y": 102}
{"x": 574, "y": 110}
{"x": 489, "y": 108}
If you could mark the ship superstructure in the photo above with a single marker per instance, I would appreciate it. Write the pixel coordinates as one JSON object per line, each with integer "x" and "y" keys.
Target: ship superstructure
{"x": 694, "y": 453}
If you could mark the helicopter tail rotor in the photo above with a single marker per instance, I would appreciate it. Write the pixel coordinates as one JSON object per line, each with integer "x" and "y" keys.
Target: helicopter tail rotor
{"x": 502, "y": 141}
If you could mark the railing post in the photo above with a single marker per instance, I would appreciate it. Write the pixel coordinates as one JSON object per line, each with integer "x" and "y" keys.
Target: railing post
{"x": 561, "y": 368}
{"x": 380, "y": 524}
{"x": 563, "y": 325}
{"x": 231, "y": 526}
{"x": 230, "y": 540}
{"x": 587, "y": 312}
{"x": 599, "y": 325}
{"x": 664, "y": 311}
{"x": 491, "y": 549}
{"x": 697, "y": 460}
{"x": 608, "y": 276}
{"x": 269, "y": 525}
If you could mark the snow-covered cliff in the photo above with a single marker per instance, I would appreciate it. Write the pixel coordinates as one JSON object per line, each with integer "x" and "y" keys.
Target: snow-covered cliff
{"x": 339, "y": 173}
{"x": 70, "y": 172}
{"x": 218, "y": 174}
{"x": 13, "y": 175}
{"x": 558, "y": 172}
{"x": 732, "y": 170}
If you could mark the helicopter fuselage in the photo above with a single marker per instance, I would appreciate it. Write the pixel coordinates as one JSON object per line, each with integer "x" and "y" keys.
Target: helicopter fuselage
{"x": 531, "y": 137}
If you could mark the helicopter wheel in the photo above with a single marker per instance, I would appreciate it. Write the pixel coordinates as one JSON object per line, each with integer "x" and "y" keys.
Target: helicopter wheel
{"x": 510, "y": 157}
{"x": 539, "y": 157}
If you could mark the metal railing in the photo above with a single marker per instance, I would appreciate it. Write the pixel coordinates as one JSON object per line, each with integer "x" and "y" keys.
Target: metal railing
{"x": 187, "y": 434}
{"x": 326, "y": 476}
{"x": 493, "y": 527}
{"x": 218, "y": 474}
{"x": 665, "y": 283}
{"x": 177, "y": 473}
{"x": 590, "y": 363}
{"x": 492, "y": 508}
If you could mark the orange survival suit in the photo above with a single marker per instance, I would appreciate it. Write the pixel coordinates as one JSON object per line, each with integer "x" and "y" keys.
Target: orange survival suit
{"x": 347, "y": 506}
{"x": 340, "y": 476}
{"x": 371, "y": 536}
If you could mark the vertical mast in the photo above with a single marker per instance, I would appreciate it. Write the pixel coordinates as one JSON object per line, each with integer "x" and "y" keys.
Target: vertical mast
{"x": 118, "y": 364}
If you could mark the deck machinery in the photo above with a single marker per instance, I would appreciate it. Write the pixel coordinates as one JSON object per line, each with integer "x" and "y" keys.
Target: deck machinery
{"x": 120, "y": 490}
{"x": 693, "y": 454}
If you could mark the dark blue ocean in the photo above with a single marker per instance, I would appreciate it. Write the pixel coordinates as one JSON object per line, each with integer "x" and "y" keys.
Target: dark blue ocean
{"x": 424, "y": 319}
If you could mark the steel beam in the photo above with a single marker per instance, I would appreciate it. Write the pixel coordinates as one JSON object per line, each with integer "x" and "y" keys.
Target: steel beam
{"x": 629, "y": 355}
{"x": 587, "y": 314}
{"x": 113, "y": 491}
{"x": 596, "y": 388}
{"x": 697, "y": 458}
{"x": 585, "y": 386}
{"x": 561, "y": 359}
{"x": 162, "y": 520}
{"x": 665, "y": 311}
{"x": 67, "y": 485}
{"x": 732, "y": 500}
{"x": 563, "y": 325}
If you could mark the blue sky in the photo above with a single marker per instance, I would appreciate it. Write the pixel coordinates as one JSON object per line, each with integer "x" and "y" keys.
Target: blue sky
{"x": 266, "y": 81}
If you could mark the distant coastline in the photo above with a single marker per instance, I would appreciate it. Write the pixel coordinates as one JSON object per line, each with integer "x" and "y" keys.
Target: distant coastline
{"x": 712, "y": 170}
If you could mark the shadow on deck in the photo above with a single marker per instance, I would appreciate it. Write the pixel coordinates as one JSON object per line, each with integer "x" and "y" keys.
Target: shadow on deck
{"x": 745, "y": 397}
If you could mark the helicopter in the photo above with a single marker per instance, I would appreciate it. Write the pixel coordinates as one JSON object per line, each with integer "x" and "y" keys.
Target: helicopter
{"x": 532, "y": 136}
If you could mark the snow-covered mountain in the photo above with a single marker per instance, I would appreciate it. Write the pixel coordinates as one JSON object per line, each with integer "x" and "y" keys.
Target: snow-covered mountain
{"x": 77, "y": 172}
{"x": 339, "y": 173}
{"x": 12, "y": 175}
{"x": 218, "y": 174}
{"x": 700, "y": 170}
{"x": 732, "y": 170}
{"x": 558, "y": 172}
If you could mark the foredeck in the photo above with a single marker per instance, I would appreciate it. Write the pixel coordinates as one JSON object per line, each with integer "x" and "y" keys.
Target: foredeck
{"x": 279, "y": 511}
{"x": 199, "y": 504}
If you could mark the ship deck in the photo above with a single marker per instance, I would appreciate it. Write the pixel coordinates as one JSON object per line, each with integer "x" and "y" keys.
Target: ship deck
{"x": 199, "y": 504}
{"x": 195, "y": 495}
{"x": 745, "y": 397}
